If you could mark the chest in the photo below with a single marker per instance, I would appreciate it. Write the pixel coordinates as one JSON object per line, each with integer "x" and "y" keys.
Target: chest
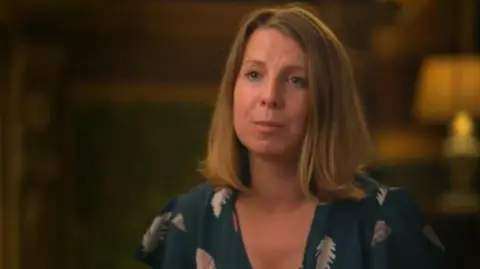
{"x": 275, "y": 241}
{"x": 320, "y": 241}
{"x": 267, "y": 250}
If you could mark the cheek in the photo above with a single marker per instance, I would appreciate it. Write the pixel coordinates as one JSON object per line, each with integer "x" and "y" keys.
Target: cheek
{"x": 299, "y": 123}
{"x": 299, "y": 117}
{"x": 240, "y": 109}
{"x": 243, "y": 101}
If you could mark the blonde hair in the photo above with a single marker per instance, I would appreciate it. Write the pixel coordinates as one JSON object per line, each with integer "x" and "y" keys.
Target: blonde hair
{"x": 336, "y": 139}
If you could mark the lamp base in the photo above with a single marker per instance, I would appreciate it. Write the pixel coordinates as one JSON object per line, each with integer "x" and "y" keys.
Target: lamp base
{"x": 460, "y": 203}
{"x": 462, "y": 151}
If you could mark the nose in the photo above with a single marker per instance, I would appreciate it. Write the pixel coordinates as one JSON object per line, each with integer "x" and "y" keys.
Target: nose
{"x": 272, "y": 96}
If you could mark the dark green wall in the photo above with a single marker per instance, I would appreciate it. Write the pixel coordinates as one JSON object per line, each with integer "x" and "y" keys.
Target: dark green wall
{"x": 128, "y": 161}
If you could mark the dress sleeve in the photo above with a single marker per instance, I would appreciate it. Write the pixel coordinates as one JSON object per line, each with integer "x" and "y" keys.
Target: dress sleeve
{"x": 170, "y": 240}
{"x": 397, "y": 235}
{"x": 166, "y": 242}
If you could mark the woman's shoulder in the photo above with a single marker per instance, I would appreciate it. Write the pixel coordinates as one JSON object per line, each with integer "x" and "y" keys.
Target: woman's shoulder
{"x": 389, "y": 219}
{"x": 203, "y": 197}
{"x": 381, "y": 201}
{"x": 380, "y": 197}
{"x": 196, "y": 197}
{"x": 193, "y": 204}
{"x": 389, "y": 207}
{"x": 178, "y": 217}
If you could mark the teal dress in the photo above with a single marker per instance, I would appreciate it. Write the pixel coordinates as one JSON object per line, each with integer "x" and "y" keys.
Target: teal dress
{"x": 385, "y": 230}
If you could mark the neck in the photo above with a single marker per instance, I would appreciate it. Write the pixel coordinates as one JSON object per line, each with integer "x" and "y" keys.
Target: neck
{"x": 274, "y": 182}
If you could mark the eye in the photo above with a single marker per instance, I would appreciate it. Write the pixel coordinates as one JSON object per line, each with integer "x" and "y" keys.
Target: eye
{"x": 253, "y": 75}
{"x": 298, "y": 81}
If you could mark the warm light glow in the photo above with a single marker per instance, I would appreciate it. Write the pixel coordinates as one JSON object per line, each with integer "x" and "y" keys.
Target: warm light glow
{"x": 447, "y": 85}
{"x": 462, "y": 124}
{"x": 462, "y": 140}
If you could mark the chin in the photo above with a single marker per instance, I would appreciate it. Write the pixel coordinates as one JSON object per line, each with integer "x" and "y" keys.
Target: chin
{"x": 272, "y": 147}
{"x": 266, "y": 149}
{"x": 267, "y": 152}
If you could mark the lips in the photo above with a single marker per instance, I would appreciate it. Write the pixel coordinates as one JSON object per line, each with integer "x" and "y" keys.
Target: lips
{"x": 268, "y": 126}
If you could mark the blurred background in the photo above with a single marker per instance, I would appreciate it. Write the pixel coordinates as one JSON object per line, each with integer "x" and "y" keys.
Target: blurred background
{"x": 105, "y": 106}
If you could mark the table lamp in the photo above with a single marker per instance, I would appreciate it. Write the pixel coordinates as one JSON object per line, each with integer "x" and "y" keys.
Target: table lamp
{"x": 449, "y": 91}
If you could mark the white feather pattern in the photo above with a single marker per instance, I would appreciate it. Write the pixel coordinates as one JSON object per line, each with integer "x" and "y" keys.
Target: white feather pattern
{"x": 220, "y": 197}
{"x": 432, "y": 236}
{"x": 204, "y": 260}
{"x": 325, "y": 253}
{"x": 380, "y": 232}
{"x": 156, "y": 232}
{"x": 381, "y": 195}
{"x": 179, "y": 222}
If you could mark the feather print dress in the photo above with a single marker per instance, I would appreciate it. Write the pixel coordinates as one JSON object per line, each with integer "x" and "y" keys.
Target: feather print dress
{"x": 385, "y": 230}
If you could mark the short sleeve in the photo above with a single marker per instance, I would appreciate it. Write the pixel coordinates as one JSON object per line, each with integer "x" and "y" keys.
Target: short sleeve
{"x": 170, "y": 240}
{"x": 397, "y": 234}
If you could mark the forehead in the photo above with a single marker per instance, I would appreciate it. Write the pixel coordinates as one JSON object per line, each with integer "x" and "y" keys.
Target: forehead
{"x": 270, "y": 45}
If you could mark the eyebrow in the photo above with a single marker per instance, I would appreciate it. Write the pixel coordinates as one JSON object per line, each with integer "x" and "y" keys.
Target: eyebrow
{"x": 262, "y": 64}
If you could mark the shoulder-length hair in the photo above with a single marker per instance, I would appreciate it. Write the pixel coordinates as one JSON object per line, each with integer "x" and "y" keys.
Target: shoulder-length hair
{"x": 336, "y": 139}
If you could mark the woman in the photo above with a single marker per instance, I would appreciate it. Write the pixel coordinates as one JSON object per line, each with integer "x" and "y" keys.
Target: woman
{"x": 283, "y": 190}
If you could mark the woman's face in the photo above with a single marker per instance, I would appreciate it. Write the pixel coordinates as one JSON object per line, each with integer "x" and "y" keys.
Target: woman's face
{"x": 270, "y": 102}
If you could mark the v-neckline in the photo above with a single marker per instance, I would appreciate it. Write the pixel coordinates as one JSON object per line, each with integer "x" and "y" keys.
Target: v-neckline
{"x": 316, "y": 231}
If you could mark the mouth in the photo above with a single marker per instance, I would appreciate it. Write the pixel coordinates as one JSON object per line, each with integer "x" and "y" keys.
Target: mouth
{"x": 268, "y": 124}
